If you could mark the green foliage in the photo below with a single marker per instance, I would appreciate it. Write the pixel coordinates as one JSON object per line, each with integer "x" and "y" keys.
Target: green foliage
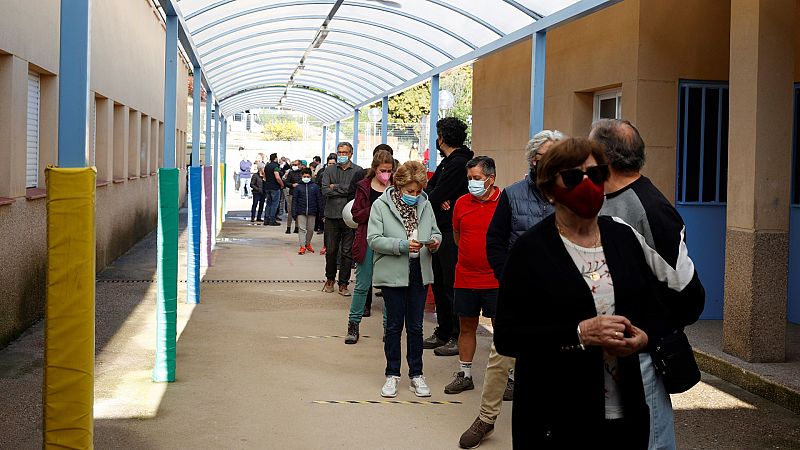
{"x": 283, "y": 130}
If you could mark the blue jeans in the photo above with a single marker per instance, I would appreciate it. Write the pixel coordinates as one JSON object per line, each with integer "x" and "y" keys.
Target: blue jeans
{"x": 273, "y": 198}
{"x": 662, "y": 421}
{"x": 405, "y": 305}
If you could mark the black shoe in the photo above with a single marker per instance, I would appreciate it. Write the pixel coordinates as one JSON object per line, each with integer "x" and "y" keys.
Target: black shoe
{"x": 432, "y": 342}
{"x": 288, "y": 231}
{"x": 275, "y": 224}
{"x": 352, "y": 333}
{"x": 448, "y": 349}
{"x": 296, "y": 230}
{"x": 459, "y": 384}
{"x": 478, "y": 431}
{"x": 508, "y": 395}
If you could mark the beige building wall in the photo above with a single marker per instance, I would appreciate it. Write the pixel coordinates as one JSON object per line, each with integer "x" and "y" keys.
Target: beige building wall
{"x": 127, "y": 78}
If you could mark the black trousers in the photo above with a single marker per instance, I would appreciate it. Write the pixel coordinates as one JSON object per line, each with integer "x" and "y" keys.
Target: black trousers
{"x": 444, "y": 277}
{"x": 258, "y": 201}
{"x": 338, "y": 238}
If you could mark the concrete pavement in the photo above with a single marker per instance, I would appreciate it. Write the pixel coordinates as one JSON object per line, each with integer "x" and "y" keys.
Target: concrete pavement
{"x": 265, "y": 344}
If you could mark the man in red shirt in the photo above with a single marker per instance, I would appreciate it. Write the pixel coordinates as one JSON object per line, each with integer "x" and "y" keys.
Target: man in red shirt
{"x": 475, "y": 283}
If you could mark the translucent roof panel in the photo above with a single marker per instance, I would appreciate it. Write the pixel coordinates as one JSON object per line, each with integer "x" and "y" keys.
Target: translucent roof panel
{"x": 326, "y": 57}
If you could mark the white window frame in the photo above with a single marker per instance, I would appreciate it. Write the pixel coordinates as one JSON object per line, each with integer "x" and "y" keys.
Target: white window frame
{"x": 606, "y": 95}
{"x": 32, "y": 147}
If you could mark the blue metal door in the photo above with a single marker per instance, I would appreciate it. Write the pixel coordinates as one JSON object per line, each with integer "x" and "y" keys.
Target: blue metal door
{"x": 701, "y": 184}
{"x": 794, "y": 220}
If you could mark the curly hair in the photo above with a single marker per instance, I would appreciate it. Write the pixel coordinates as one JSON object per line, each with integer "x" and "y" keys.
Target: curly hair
{"x": 540, "y": 139}
{"x": 452, "y": 131}
{"x": 411, "y": 172}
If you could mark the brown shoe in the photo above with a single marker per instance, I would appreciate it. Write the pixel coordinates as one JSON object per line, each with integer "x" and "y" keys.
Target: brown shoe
{"x": 477, "y": 432}
{"x": 343, "y": 291}
{"x": 328, "y": 286}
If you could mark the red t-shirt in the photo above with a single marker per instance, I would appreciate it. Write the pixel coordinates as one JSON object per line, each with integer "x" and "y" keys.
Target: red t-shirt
{"x": 471, "y": 219}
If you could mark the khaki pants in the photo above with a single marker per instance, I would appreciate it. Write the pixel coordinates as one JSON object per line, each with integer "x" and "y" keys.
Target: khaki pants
{"x": 494, "y": 385}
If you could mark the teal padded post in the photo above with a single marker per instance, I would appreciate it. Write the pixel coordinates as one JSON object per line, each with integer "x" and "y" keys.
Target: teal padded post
{"x": 167, "y": 275}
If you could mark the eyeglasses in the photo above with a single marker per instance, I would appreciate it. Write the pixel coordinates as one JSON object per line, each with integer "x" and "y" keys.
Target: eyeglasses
{"x": 573, "y": 177}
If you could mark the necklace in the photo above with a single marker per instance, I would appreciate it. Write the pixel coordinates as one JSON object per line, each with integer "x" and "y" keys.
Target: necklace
{"x": 593, "y": 275}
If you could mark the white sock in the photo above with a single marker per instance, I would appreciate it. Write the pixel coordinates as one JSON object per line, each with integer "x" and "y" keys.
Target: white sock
{"x": 466, "y": 367}
{"x": 511, "y": 374}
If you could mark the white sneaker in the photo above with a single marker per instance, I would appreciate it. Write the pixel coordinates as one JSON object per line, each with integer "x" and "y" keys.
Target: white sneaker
{"x": 419, "y": 387}
{"x": 390, "y": 387}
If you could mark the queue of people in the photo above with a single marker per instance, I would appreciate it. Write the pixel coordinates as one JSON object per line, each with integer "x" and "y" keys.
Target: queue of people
{"x": 581, "y": 267}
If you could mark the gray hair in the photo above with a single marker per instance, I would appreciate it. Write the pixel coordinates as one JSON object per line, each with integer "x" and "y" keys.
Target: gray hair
{"x": 486, "y": 164}
{"x": 345, "y": 144}
{"x": 622, "y": 142}
{"x": 540, "y": 139}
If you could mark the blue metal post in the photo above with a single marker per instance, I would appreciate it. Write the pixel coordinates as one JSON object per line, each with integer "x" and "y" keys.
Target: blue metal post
{"x": 385, "y": 121}
{"x": 355, "y": 136}
{"x": 537, "y": 82}
{"x": 73, "y": 83}
{"x": 195, "y": 200}
{"x": 324, "y": 138}
{"x": 170, "y": 94}
{"x": 432, "y": 152}
{"x": 338, "y": 129}
{"x": 223, "y": 160}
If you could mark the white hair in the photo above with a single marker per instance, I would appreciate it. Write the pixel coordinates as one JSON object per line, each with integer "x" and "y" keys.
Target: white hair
{"x": 539, "y": 139}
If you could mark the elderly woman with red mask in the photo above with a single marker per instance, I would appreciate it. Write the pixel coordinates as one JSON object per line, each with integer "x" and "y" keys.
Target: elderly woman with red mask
{"x": 574, "y": 309}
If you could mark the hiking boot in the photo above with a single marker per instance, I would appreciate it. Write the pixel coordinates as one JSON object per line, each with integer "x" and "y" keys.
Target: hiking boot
{"x": 309, "y": 248}
{"x": 367, "y": 311}
{"x": 432, "y": 341}
{"x": 343, "y": 291}
{"x": 352, "y": 333}
{"x": 459, "y": 384}
{"x": 448, "y": 349}
{"x": 328, "y": 286}
{"x": 390, "y": 387}
{"x": 477, "y": 432}
{"x": 508, "y": 395}
{"x": 302, "y": 251}
{"x": 288, "y": 230}
{"x": 419, "y": 387}
{"x": 296, "y": 230}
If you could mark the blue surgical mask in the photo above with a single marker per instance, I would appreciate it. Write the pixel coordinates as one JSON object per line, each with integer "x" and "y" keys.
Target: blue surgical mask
{"x": 477, "y": 187}
{"x": 306, "y": 180}
{"x": 342, "y": 159}
{"x": 410, "y": 200}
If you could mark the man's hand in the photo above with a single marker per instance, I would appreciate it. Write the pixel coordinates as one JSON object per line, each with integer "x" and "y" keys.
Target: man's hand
{"x": 446, "y": 205}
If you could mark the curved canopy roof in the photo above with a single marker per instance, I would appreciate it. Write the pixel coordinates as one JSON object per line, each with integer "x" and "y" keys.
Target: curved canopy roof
{"x": 327, "y": 57}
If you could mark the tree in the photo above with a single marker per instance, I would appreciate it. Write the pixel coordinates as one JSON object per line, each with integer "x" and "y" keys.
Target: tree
{"x": 282, "y": 130}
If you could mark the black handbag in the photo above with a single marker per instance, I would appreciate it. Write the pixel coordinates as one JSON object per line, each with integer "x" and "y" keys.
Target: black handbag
{"x": 674, "y": 360}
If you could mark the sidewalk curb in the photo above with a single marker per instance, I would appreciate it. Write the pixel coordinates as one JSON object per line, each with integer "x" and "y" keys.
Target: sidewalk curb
{"x": 749, "y": 381}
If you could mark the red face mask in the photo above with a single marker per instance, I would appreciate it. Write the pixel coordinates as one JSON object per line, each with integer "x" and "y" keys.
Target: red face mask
{"x": 585, "y": 199}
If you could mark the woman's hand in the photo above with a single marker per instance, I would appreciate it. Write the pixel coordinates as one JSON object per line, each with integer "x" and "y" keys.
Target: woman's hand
{"x": 604, "y": 331}
{"x": 433, "y": 246}
{"x": 631, "y": 345}
{"x": 414, "y": 246}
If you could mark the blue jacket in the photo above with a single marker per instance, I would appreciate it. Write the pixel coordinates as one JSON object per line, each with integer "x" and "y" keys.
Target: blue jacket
{"x": 306, "y": 200}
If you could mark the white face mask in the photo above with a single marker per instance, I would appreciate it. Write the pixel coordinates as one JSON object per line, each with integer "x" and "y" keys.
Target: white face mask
{"x": 295, "y": 168}
{"x": 477, "y": 187}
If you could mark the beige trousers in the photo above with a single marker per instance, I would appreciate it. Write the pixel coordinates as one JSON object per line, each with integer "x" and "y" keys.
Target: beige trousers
{"x": 494, "y": 385}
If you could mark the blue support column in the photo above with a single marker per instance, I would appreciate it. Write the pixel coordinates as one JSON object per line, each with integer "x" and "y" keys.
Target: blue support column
{"x": 167, "y": 240}
{"x": 385, "y": 121}
{"x": 338, "y": 133}
{"x": 432, "y": 152}
{"x": 195, "y": 190}
{"x": 324, "y": 139}
{"x": 355, "y": 136}
{"x": 170, "y": 94}
{"x": 537, "y": 82}
{"x": 73, "y": 83}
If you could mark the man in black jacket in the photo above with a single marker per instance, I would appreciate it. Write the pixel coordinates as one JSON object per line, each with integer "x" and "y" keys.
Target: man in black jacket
{"x": 634, "y": 199}
{"x": 448, "y": 183}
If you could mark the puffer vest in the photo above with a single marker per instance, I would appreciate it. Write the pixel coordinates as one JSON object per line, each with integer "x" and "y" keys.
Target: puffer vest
{"x": 528, "y": 207}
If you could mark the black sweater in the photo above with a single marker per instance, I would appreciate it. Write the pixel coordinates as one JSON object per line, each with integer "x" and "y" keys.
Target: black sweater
{"x": 449, "y": 182}
{"x": 559, "y": 396}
